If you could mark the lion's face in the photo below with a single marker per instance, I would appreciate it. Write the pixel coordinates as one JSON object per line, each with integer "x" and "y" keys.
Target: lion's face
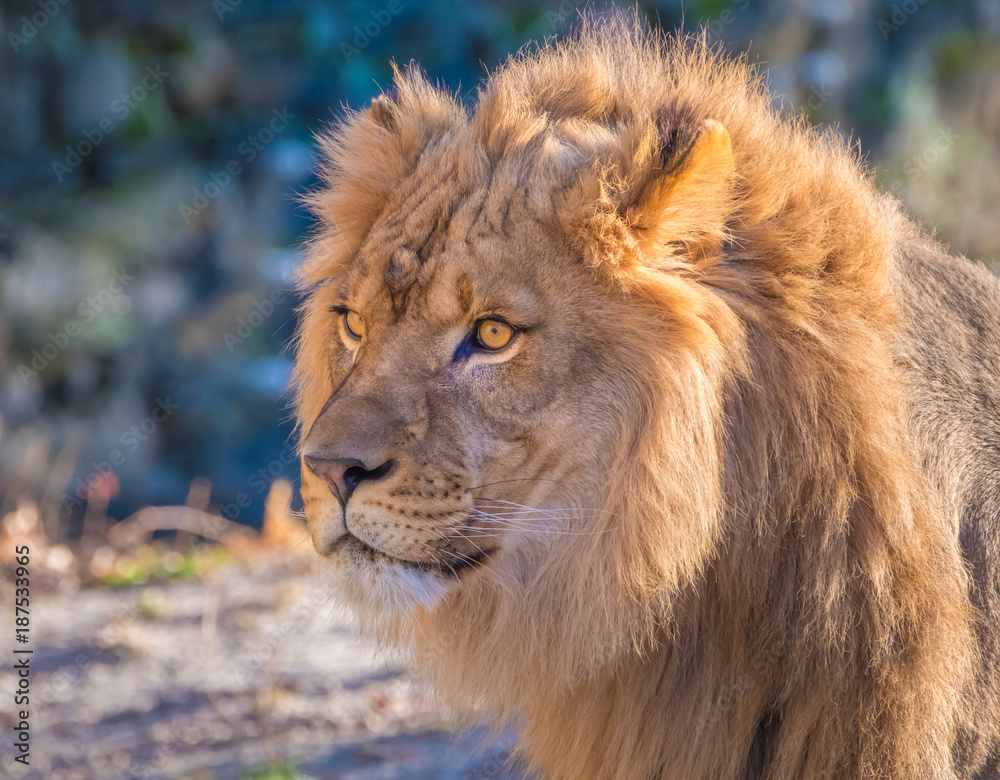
{"x": 474, "y": 396}
{"x": 494, "y": 386}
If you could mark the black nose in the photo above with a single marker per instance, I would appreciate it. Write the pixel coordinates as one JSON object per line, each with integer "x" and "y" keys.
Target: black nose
{"x": 343, "y": 475}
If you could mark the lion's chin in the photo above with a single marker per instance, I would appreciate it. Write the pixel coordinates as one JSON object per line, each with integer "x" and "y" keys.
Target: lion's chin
{"x": 378, "y": 587}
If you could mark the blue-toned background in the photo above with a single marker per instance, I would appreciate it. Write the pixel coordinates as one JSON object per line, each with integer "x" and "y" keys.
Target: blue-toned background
{"x": 151, "y": 155}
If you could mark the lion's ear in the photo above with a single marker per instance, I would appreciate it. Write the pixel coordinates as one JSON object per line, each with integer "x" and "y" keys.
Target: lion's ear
{"x": 668, "y": 195}
{"x": 688, "y": 201}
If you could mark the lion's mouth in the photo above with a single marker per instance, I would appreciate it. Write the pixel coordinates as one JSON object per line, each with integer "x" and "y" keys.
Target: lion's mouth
{"x": 359, "y": 548}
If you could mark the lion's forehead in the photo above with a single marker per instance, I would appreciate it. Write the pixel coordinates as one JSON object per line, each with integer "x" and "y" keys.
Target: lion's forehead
{"x": 441, "y": 257}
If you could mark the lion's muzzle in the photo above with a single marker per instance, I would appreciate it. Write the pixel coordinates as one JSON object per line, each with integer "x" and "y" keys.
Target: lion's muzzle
{"x": 377, "y": 492}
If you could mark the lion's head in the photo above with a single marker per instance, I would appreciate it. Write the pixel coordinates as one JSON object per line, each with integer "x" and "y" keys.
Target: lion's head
{"x": 495, "y": 381}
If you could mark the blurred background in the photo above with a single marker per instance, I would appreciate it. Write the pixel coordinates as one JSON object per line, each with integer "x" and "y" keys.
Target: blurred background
{"x": 151, "y": 159}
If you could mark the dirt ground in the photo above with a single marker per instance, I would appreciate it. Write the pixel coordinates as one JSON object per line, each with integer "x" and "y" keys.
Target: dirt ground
{"x": 247, "y": 672}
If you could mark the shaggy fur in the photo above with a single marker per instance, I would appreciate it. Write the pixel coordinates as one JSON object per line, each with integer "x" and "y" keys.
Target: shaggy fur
{"x": 727, "y": 507}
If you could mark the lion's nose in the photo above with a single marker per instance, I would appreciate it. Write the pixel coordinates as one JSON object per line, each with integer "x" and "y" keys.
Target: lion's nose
{"x": 343, "y": 475}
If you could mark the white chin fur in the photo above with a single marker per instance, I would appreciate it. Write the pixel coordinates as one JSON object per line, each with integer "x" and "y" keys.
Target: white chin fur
{"x": 381, "y": 590}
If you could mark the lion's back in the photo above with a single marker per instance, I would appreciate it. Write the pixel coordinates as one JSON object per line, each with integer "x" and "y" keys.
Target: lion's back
{"x": 949, "y": 348}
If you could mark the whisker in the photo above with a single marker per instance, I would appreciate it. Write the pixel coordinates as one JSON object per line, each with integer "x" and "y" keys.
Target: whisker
{"x": 462, "y": 536}
{"x": 491, "y": 532}
{"x": 454, "y": 555}
{"x": 568, "y": 509}
{"x": 506, "y": 481}
{"x": 526, "y": 524}
{"x": 511, "y": 512}
{"x": 522, "y": 524}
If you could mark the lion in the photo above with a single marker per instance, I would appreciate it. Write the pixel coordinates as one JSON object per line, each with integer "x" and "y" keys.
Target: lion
{"x": 639, "y": 418}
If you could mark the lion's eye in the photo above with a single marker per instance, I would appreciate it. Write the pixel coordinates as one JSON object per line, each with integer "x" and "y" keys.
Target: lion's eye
{"x": 492, "y": 334}
{"x": 353, "y": 324}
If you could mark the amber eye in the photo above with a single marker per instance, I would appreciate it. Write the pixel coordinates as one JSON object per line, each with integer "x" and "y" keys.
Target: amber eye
{"x": 492, "y": 334}
{"x": 353, "y": 324}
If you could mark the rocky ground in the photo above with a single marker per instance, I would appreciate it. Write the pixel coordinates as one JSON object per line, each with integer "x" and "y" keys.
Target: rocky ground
{"x": 246, "y": 672}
